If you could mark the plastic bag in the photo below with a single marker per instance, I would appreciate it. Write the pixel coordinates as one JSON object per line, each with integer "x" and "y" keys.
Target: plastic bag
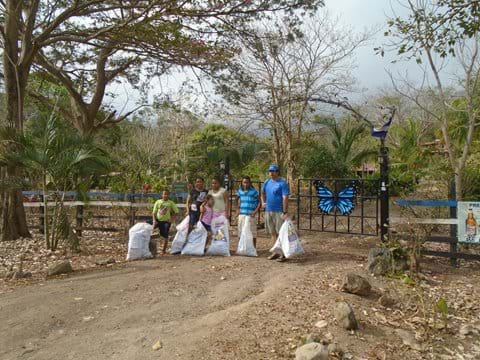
{"x": 245, "y": 245}
{"x": 138, "y": 239}
{"x": 196, "y": 241}
{"x": 288, "y": 243}
{"x": 180, "y": 237}
{"x": 220, "y": 245}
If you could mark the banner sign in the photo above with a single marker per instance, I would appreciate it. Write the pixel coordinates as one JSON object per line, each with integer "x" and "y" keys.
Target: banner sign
{"x": 468, "y": 214}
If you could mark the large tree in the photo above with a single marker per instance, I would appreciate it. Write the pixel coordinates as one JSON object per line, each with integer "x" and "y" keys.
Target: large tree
{"x": 86, "y": 44}
{"x": 422, "y": 34}
{"x": 282, "y": 70}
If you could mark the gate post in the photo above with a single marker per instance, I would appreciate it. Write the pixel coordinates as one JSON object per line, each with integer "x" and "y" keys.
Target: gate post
{"x": 384, "y": 198}
{"x": 453, "y": 228}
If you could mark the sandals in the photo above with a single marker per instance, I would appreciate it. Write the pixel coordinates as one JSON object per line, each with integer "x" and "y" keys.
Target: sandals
{"x": 273, "y": 256}
{"x": 282, "y": 259}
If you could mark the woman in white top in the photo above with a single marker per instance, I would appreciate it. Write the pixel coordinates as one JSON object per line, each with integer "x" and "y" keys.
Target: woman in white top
{"x": 220, "y": 194}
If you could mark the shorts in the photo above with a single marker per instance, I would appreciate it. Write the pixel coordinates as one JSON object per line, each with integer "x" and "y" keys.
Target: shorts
{"x": 194, "y": 217}
{"x": 207, "y": 227}
{"x": 273, "y": 221}
{"x": 253, "y": 224}
{"x": 164, "y": 227}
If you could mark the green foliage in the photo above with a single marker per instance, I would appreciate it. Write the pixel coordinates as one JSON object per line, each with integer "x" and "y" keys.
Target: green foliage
{"x": 215, "y": 144}
{"x": 342, "y": 155}
{"x": 59, "y": 159}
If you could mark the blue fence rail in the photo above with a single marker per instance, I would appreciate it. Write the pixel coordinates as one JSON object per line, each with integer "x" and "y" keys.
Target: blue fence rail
{"x": 430, "y": 203}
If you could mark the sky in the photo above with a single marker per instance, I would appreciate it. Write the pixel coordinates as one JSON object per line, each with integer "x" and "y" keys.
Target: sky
{"x": 371, "y": 71}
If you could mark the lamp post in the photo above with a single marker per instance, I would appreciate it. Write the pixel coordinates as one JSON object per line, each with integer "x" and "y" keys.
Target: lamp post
{"x": 384, "y": 202}
{"x": 225, "y": 166}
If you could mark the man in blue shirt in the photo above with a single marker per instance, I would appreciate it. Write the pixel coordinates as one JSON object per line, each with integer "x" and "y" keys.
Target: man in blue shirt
{"x": 275, "y": 192}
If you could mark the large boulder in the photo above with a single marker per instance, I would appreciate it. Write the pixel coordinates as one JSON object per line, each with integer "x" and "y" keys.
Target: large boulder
{"x": 356, "y": 284}
{"x": 345, "y": 316}
{"x": 382, "y": 261}
{"x": 63, "y": 267}
{"x": 312, "y": 351}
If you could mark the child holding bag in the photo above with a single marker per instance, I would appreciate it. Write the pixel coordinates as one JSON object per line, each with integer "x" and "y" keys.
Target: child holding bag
{"x": 248, "y": 206}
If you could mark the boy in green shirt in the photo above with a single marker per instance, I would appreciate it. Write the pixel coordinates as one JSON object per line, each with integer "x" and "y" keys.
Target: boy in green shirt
{"x": 164, "y": 212}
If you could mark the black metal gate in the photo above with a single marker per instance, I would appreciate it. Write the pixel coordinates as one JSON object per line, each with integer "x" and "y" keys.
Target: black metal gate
{"x": 363, "y": 219}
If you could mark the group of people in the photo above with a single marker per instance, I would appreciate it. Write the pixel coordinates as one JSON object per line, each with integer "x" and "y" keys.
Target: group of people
{"x": 205, "y": 205}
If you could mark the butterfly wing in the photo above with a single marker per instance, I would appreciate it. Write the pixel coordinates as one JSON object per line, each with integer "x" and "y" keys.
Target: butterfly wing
{"x": 326, "y": 201}
{"x": 345, "y": 199}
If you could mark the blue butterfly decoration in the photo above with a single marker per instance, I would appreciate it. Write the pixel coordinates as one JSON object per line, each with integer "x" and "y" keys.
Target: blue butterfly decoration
{"x": 343, "y": 201}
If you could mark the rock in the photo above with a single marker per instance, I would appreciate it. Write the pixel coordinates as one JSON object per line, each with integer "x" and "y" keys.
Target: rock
{"x": 21, "y": 274}
{"x": 356, "y": 284}
{"x": 311, "y": 338}
{"x": 409, "y": 339}
{"x": 381, "y": 262}
{"x": 103, "y": 262}
{"x": 327, "y": 339}
{"x": 334, "y": 349}
{"x": 386, "y": 301}
{"x": 345, "y": 316}
{"x": 63, "y": 267}
{"x": 321, "y": 324}
{"x": 467, "y": 329}
{"x": 157, "y": 345}
{"x": 312, "y": 351}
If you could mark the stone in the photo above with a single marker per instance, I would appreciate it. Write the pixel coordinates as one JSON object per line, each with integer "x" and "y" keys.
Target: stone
{"x": 321, "y": 324}
{"x": 409, "y": 339}
{"x": 333, "y": 348}
{"x": 21, "y": 274}
{"x": 103, "y": 262}
{"x": 63, "y": 267}
{"x": 311, "y": 338}
{"x": 345, "y": 316}
{"x": 467, "y": 329}
{"x": 312, "y": 351}
{"x": 379, "y": 261}
{"x": 386, "y": 301}
{"x": 356, "y": 284}
{"x": 157, "y": 345}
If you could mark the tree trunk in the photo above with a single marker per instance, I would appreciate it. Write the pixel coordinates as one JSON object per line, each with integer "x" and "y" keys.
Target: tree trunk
{"x": 13, "y": 221}
{"x": 459, "y": 186}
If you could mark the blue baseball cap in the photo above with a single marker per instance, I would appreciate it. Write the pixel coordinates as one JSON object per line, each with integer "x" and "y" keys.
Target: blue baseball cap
{"x": 273, "y": 168}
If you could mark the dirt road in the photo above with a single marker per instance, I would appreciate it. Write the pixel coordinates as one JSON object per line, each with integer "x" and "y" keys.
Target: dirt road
{"x": 198, "y": 308}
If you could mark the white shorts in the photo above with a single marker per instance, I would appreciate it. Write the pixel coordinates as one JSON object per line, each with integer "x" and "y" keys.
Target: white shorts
{"x": 253, "y": 224}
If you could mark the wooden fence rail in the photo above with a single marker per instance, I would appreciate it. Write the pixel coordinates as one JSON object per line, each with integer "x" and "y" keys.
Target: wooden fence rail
{"x": 118, "y": 201}
{"x": 451, "y": 239}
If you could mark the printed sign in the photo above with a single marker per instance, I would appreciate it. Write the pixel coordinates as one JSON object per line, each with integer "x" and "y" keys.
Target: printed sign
{"x": 468, "y": 214}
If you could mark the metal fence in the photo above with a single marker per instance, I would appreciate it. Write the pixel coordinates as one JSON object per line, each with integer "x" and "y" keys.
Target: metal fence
{"x": 363, "y": 220}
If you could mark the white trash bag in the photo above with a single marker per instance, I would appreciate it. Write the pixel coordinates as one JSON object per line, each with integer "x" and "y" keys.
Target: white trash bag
{"x": 138, "y": 238}
{"x": 220, "y": 245}
{"x": 196, "y": 241}
{"x": 288, "y": 243}
{"x": 180, "y": 237}
{"x": 245, "y": 245}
